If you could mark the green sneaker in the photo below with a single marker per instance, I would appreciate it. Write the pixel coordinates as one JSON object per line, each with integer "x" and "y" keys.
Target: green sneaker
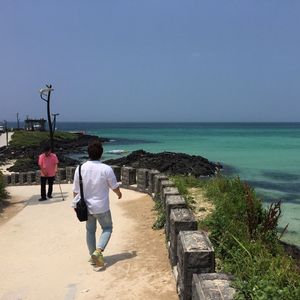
{"x": 97, "y": 258}
{"x": 92, "y": 262}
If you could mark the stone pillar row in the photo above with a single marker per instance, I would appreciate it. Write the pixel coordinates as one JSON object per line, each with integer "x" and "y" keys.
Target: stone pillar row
{"x": 191, "y": 253}
{"x": 29, "y": 178}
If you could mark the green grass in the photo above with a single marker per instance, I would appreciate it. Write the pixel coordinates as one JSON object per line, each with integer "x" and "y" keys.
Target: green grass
{"x": 245, "y": 239}
{"x": 160, "y": 215}
{"x": 36, "y": 138}
{"x": 183, "y": 183}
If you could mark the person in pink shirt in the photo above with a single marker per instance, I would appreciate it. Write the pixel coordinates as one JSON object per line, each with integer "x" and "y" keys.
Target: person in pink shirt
{"x": 48, "y": 163}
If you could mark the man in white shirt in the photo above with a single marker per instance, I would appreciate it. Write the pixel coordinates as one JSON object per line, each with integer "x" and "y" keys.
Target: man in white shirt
{"x": 97, "y": 179}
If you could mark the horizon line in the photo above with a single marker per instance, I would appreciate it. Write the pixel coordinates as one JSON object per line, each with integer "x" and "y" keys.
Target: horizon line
{"x": 168, "y": 122}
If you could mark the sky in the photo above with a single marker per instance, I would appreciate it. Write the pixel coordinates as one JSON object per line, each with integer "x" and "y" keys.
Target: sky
{"x": 151, "y": 60}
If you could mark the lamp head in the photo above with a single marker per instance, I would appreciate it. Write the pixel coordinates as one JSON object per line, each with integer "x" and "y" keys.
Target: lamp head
{"x": 45, "y": 91}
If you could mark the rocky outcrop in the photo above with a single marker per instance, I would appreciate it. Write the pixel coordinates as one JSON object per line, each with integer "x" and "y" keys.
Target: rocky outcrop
{"x": 168, "y": 163}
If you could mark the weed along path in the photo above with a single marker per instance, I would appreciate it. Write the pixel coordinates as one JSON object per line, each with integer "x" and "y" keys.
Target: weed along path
{"x": 43, "y": 254}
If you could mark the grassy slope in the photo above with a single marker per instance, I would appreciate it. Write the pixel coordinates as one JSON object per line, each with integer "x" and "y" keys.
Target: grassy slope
{"x": 36, "y": 138}
{"x": 245, "y": 239}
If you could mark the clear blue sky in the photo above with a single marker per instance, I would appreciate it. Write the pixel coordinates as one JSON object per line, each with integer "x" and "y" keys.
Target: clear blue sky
{"x": 151, "y": 60}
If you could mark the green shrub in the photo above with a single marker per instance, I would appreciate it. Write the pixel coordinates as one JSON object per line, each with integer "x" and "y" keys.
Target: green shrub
{"x": 183, "y": 183}
{"x": 3, "y": 192}
{"x": 245, "y": 239}
{"x": 160, "y": 217}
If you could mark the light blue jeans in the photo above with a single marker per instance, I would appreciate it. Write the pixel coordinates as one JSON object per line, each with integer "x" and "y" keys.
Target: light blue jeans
{"x": 105, "y": 222}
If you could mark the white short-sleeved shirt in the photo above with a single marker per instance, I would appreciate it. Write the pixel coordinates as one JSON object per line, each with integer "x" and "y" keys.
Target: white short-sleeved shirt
{"x": 97, "y": 178}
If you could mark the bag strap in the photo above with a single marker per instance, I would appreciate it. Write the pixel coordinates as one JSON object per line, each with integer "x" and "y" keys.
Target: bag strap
{"x": 80, "y": 183}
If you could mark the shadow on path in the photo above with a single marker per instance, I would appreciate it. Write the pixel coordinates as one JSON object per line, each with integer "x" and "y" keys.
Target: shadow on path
{"x": 56, "y": 197}
{"x": 112, "y": 259}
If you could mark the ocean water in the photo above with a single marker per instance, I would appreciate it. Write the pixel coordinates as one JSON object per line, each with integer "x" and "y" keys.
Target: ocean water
{"x": 264, "y": 154}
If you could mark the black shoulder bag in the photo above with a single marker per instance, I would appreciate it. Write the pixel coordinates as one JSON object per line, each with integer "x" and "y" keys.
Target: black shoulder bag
{"x": 81, "y": 208}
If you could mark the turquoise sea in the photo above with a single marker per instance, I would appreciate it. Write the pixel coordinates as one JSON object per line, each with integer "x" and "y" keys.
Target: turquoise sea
{"x": 264, "y": 154}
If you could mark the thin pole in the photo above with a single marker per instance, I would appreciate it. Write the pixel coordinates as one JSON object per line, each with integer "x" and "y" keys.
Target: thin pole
{"x": 49, "y": 117}
{"x": 63, "y": 199}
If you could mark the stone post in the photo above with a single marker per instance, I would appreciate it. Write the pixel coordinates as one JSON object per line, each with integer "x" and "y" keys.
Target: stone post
{"x": 157, "y": 181}
{"x": 172, "y": 201}
{"x": 15, "y": 178}
{"x": 180, "y": 219}
{"x": 38, "y": 177}
{"x": 70, "y": 173}
{"x": 142, "y": 179}
{"x": 169, "y": 190}
{"x": 151, "y": 175}
{"x": 117, "y": 171}
{"x": 128, "y": 175}
{"x": 7, "y": 179}
{"x": 164, "y": 184}
{"x": 212, "y": 286}
{"x": 22, "y": 178}
{"x": 30, "y": 177}
{"x": 195, "y": 255}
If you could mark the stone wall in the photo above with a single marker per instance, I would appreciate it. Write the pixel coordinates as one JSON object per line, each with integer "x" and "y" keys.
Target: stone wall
{"x": 30, "y": 178}
{"x": 191, "y": 253}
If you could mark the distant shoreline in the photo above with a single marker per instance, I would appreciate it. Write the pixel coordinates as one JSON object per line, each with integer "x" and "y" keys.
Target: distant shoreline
{"x": 10, "y": 123}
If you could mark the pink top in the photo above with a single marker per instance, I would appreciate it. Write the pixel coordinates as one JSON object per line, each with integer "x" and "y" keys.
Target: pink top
{"x": 48, "y": 164}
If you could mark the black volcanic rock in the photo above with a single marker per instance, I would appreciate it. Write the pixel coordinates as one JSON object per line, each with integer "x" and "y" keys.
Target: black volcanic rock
{"x": 168, "y": 163}
{"x": 81, "y": 141}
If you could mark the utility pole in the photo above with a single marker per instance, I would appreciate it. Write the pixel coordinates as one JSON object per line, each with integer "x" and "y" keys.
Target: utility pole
{"x": 18, "y": 121}
{"x": 47, "y": 93}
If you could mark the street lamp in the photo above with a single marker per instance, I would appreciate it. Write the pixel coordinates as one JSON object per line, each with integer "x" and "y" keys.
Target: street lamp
{"x": 18, "y": 121}
{"x": 45, "y": 95}
{"x": 54, "y": 121}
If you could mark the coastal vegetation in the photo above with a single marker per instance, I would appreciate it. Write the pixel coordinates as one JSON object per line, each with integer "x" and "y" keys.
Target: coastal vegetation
{"x": 245, "y": 237}
{"x": 36, "y": 138}
{"x": 3, "y": 192}
{"x": 160, "y": 215}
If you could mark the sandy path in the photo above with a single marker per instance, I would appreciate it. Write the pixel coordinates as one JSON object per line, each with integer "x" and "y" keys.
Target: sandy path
{"x": 44, "y": 256}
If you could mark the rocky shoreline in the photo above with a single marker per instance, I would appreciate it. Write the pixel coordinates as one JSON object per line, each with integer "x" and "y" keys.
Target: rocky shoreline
{"x": 168, "y": 162}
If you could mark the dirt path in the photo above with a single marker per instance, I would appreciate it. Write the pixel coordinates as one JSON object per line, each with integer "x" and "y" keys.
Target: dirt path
{"x": 43, "y": 253}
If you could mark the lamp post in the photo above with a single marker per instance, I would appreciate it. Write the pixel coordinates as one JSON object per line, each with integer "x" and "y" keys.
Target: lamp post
{"x": 6, "y": 132}
{"x": 18, "y": 121}
{"x": 54, "y": 121}
{"x": 46, "y": 92}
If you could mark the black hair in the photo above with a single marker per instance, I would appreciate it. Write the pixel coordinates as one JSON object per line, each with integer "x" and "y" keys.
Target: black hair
{"x": 47, "y": 147}
{"x": 95, "y": 149}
